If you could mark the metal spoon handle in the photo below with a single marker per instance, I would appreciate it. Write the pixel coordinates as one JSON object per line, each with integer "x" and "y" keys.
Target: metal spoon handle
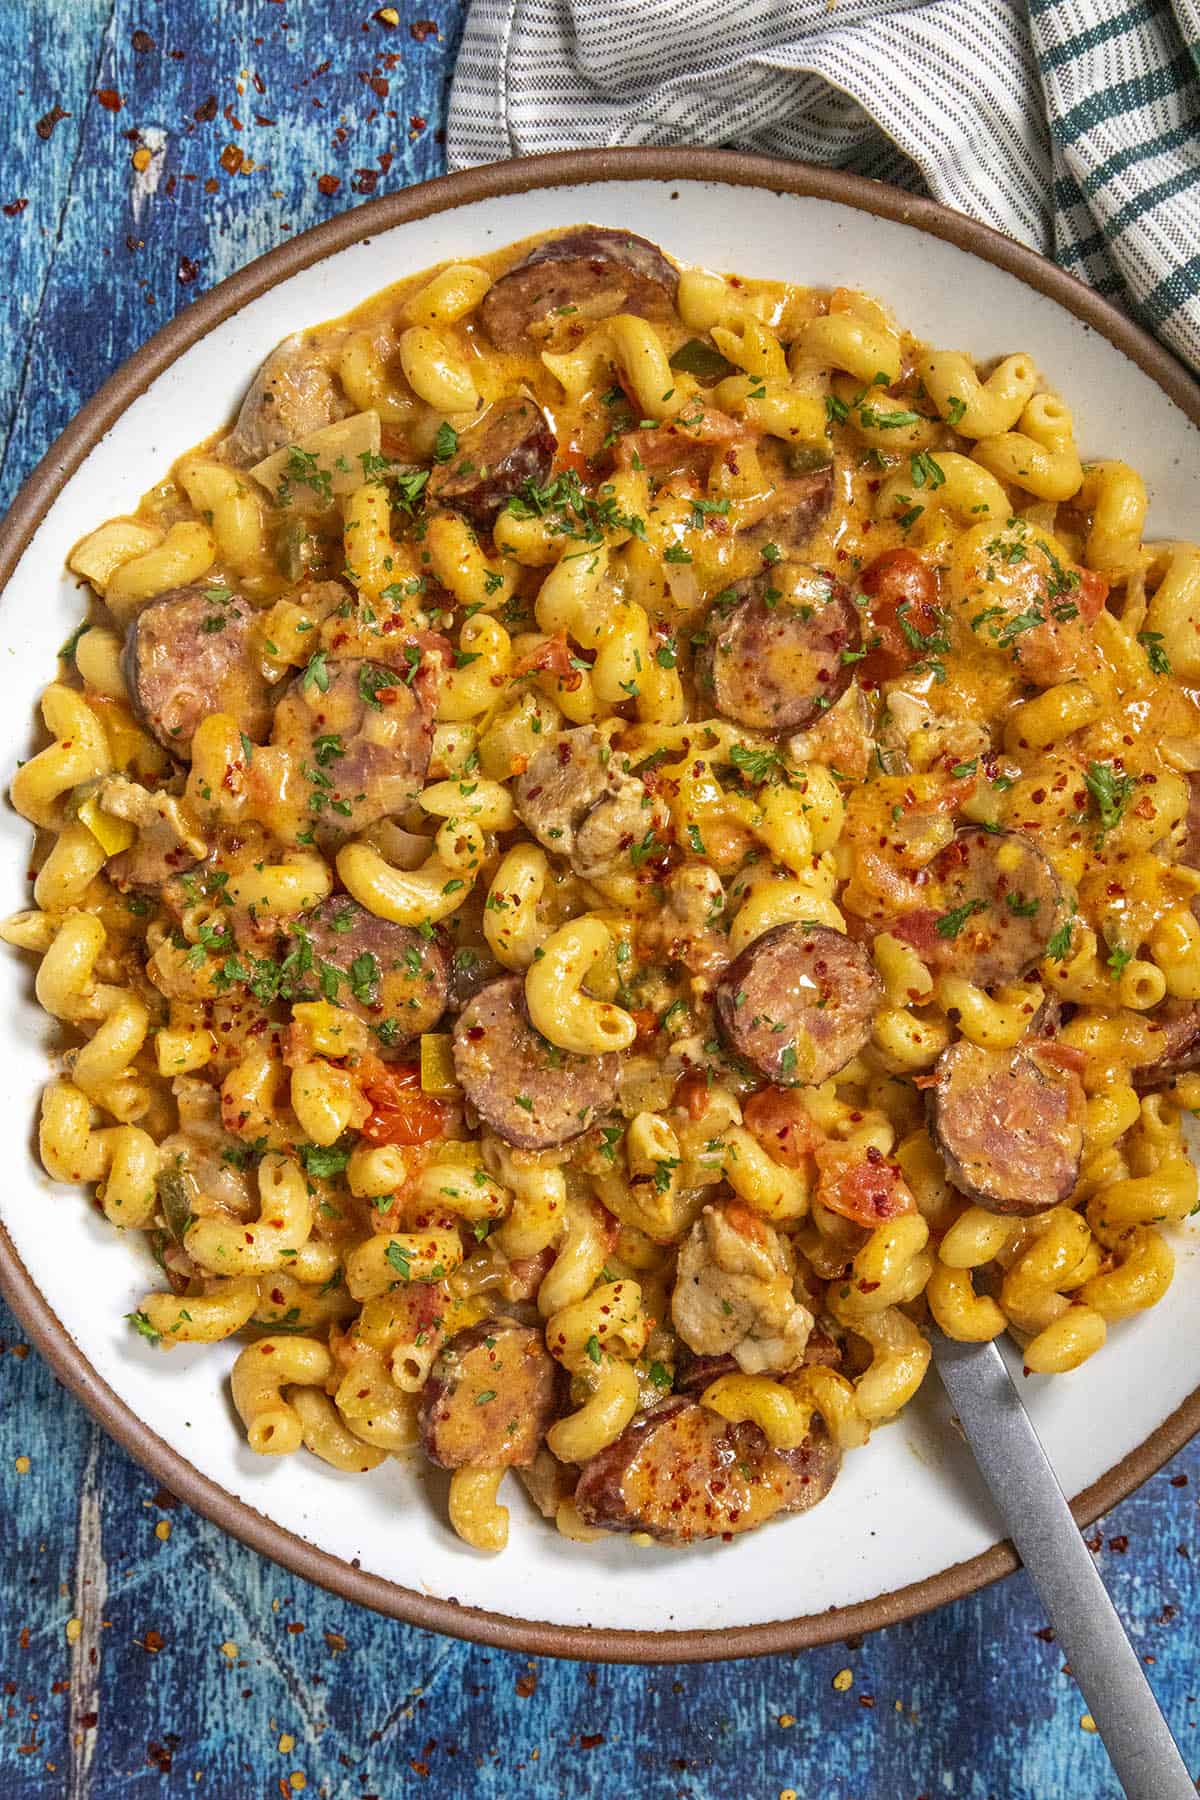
{"x": 1088, "y": 1629}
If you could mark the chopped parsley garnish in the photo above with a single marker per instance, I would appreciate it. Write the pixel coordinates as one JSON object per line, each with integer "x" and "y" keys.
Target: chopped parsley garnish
{"x": 1156, "y": 656}
{"x": 375, "y": 682}
{"x": 323, "y": 1161}
{"x": 445, "y": 445}
{"x": 1020, "y": 907}
{"x": 364, "y": 978}
{"x": 143, "y": 1327}
{"x": 1111, "y": 793}
{"x": 316, "y": 673}
{"x": 755, "y": 766}
{"x": 925, "y": 472}
{"x": 951, "y": 923}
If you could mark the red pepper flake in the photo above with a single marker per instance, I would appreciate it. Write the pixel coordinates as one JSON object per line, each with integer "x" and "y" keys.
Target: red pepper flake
{"x": 335, "y": 1642}
{"x": 153, "y": 1642}
{"x": 165, "y": 1500}
{"x": 14, "y": 209}
{"x": 328, "y": 184}
{"x": 417, "y": 123}
{"x": 89, "y": 1720}
{"x": 159, "y": 1757}
{"x": 365, "y": 181}
{"x": 526, "y": 1685}
{"x": 1176, "y": 1480}
{"x": 206, "y": 110}
{"x": 295, "y": 1628}
{"x": 421, "y": 29}
{"x": 212, "y": 185}
{"x": 262, "y": 119}
{"x": 1045, "y": 1635}
{"x": 109, "y": 99}
{"x": 231, "y": 159}
{"x": 1094, "y": 1542}
{"x": 142, "y": 42}
{"x": 47, "y": 122}
{"x": 385, "y": 160}
{"x": 231, "y": 118}
{"x": 591, "y": 1740}
{"x": 1119, "y": 1544}
{"x": 187, "y": 270}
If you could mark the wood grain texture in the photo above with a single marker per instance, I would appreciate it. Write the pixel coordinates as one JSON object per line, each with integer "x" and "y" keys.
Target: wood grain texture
{"x": 194, "y": 1661}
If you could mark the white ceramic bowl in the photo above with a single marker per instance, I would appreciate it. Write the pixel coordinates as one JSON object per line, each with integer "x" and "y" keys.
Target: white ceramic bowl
{"x": 909, "y": 1511}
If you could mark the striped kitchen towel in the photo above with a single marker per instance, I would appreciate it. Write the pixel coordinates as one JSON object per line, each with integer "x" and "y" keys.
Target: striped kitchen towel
{"x": 1072, "y": 125}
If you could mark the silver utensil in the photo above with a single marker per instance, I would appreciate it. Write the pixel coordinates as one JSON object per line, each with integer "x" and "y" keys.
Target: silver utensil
{"x": 1024, "y": 1486}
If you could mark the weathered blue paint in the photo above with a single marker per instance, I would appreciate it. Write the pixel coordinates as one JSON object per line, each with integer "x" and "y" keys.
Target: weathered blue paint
{"x": 970, "y": 1704}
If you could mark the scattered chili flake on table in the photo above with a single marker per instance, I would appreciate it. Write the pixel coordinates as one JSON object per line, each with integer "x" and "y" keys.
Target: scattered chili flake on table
{"x": 328, "y": 184}
{"x": 47, "y": 122}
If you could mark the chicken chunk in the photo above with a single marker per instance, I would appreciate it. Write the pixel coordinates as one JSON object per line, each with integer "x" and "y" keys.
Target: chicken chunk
{"x": 166, "y": 843}
{"x": 733, "y": 1292}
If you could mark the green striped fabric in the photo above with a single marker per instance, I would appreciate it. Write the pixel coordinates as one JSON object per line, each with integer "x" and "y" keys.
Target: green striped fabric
{"x": 1073, "y": 125}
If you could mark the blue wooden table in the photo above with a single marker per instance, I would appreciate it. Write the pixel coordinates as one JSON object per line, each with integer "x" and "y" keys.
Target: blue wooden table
{"x": 152, "y": 149}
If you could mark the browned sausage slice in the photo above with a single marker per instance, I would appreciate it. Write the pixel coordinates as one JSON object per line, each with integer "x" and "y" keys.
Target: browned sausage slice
{"x": 798, "y": 1003}
{"x": 1176, "y": 1024}
{"x": 785, "y": 651}
{"x": 186, "y": 656}
{"x": 594, "y": 271}
{"x": 493, "y": 461}
{"x": 580, "y": 803}
{"x": 1009, "y": 1126}
{"x": 490, "y": 1397}
{"x": 292, "y": 395}
{"x": 390, "y": 976}
{"x": 531, "y": 1093}
{"x": 801, "y": 505}
{"x": 360, "y": 735}
{"x": 995, "y": 903}
{"x": 682, "y": 1473}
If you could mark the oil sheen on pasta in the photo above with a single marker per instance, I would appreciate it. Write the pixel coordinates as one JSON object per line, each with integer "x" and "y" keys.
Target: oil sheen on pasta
{"x": 621, "y": 840}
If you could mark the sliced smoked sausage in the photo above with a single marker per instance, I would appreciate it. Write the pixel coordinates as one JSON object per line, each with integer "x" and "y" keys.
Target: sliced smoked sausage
{"x": 995, "y": 903}
{"x": 1008, "y": 1125}
{"x": 490, "y": 1397}
{"x": 593, "y": 271}
{"x": 185, "y": 657}
{"x": 1176, "y": 1024}
{"x": 801, "y": 505}
{"x": 783, "y": 653}
{"x": 292, "y": 395}
{"x": 798, "y": 1003}
{"x": 493, "y": 461}
{"x": 390, "y": 975}
{"x": 682, "y": 1473}
{"x": 579, "y": 802}
{"x": 360, "y": 733}
{"x": 531, "y": 1093}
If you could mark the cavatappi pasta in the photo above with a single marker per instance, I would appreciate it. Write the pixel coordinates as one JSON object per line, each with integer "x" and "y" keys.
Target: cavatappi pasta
{"x": 624, "y": 840}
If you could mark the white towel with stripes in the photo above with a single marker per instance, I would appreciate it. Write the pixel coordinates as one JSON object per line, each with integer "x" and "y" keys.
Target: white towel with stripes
{"x": 1072, "y": 125}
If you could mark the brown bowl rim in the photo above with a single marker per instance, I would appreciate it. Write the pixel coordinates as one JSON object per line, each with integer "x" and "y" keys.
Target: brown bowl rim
{"x": 43, "y": 486}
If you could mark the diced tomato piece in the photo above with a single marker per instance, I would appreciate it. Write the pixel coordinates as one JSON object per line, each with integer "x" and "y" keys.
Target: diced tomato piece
{"x": 902, "y": 589}
{"x": 1091, "y": 594}
{"x": 868, "y": 1189}
{"x": 691, "y": 1093}
{"x": 781, "y": 1122}
{"x": 571, "y": 457}
{"x": 400, "y": 1112}
{"x": 554, "y": 655}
